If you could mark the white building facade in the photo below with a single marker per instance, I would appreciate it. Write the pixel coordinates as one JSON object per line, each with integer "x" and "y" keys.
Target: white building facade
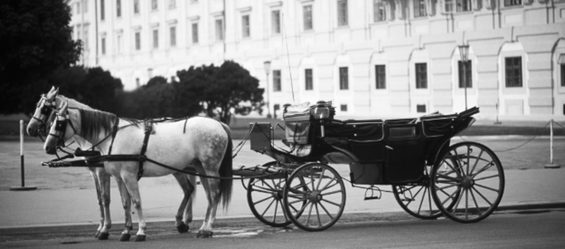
{"x": 372, "y": 58}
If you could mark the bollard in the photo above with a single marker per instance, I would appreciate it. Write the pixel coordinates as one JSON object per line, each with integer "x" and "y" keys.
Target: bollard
{"x": 23, "y": 185}
{"x": 551, "y": 165}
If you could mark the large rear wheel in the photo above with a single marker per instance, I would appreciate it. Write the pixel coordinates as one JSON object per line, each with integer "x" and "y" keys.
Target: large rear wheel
{"x": 467, "y": 182}
{"x": 314, "y": 197}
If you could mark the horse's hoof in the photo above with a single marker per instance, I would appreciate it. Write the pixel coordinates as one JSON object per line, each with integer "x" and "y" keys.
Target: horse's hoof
{"x": 183, "y": 228}
{"x": 139, "y": 238}
{"x": 125, "y": 237}
{"x": 97, "y": 234}
{"x": 204, "y": 234}
{"x": 103, "y": 236}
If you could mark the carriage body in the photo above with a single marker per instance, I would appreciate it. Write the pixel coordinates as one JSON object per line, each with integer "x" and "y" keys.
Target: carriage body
{"x": 393, "y": 151}
{"x": 414, "y": 155}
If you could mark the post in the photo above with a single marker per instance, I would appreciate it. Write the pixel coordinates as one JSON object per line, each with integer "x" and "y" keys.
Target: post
{"x": 267, "y": 65}
{"x": 23, "y": 185}
{"x": 551, "y": 165}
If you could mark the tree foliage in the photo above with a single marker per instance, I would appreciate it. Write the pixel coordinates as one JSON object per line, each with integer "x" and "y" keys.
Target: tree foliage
{"x": 35, "y": 40}
{"x": 222, "y": 91}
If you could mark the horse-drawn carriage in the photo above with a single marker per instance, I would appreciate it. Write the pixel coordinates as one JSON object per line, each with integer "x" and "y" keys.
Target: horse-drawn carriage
{"x": 429, "y": 176}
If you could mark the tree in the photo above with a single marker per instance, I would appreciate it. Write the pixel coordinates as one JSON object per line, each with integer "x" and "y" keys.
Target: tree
{"x": 222, "y": 90}
{"x": 35, "y": 40}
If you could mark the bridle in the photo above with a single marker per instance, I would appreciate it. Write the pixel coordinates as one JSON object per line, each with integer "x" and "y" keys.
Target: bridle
{"x": 46, "y": 110}
{"x": 61, "y": 122}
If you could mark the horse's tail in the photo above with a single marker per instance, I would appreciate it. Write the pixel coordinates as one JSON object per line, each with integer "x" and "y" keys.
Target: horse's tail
{"x": 226, "y": 170}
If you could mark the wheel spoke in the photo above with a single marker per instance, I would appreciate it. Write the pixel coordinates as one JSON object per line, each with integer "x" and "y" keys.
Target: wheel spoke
{"x": 489, "y": 188}
{"x": 476, "y": 204}
{"x": 486, "y": 177}
{"x": 484, "y": 198}
{"x": 476, "y": 162}
{"x": 268, "y": 207}
{"x": 331, "y": 202}
{"x": 262, "y": 200}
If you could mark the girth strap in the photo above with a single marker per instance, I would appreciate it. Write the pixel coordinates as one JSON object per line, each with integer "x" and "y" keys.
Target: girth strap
{"x": 148, "y": 130}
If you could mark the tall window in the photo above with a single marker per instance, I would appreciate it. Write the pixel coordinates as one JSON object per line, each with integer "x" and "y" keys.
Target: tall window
{"x": 173, "y": 36}
{"x": 119, "y": 8}
{"x": 465, "y": 71}
{"x": 219, "y": 30}
{"x": 245, "y": 29}
{"x": 419, "y": 8}
{"x": 136, "y": 6}
{"x": 421, "y": 76}
{"x": 562, "y": 74}
{"x": 172, "y": 4}
{"x": 195, "y": 32}
{"x": 103, "y": 45}
{"x": 155, "y": 38}
{"x": 380, "y": 76}
{"x": 463, "y": 5}
{"x": 379, "y": 11}
{"x": 154, "y": 5}
{"x": 119, "y": 43}
{"x": 137, "y": 40}
{"x": 85, "y": 37}
{"x": 512, "y": 2}
{"x": 102, "y": 15}
{"x": 276, "y": 80}
{"x": 513, "y": 71}
{"x": 342, "y": 18}
{"x": 308, "y": 80}
{"x": 343, "y": 78}
{"x": 276, "y": 21}
{"x": 307, "y": 17}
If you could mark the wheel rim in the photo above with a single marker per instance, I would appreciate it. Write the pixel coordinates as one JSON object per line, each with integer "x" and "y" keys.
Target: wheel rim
{"x": 417, "y": 200}
{"x": 314, "y": 197}
{"x": 468, "y": 183}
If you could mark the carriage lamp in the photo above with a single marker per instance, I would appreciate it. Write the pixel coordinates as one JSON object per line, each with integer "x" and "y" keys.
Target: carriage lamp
{"x": 464, "y": 53}
{"x": 267, "y": 65}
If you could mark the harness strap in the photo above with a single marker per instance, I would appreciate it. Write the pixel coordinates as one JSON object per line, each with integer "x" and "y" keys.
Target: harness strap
{"x": 114, "y": 132}
{"x": 148, "y": 130}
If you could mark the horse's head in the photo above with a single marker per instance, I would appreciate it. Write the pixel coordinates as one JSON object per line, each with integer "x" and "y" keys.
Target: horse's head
{"x": 43, "y": 113}
{"x": 62, "y": 129}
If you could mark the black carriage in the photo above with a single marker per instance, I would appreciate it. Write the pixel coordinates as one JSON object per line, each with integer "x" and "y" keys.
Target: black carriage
{"x": 429, "y": 176}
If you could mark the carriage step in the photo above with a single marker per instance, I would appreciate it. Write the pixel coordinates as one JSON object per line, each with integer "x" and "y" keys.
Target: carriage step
{"x": 373, "y": 193}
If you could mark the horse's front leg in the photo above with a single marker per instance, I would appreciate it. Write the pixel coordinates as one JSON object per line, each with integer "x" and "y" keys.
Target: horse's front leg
{"x": 126, "y": 203}
{"x": 102, "y": 183}
{"x": 133, "y": 189}
{"x": 184, "y": 213}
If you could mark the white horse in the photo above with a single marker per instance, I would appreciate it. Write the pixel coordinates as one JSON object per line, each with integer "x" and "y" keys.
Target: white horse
{"x": 200, "y": 144}
{"x": 44, "y": 115}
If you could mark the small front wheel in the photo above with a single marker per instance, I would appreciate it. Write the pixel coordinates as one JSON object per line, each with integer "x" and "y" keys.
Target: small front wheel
{"x": 467, "y": 182}
{"x": 264, "y": 196}
{"x": 321, "y": 188}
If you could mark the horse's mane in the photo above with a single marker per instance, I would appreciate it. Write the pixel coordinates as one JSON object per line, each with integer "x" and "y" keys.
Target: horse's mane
{"x": 73, "y": 103}
{"x": 93, "y": 122}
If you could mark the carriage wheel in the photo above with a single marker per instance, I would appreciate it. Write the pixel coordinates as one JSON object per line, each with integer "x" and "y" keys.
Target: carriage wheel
{"x": 468, "y": 182}
{"x": 417, "y": 199}
{"x": 264, "y": 197}
{"x": 322, "y": 189}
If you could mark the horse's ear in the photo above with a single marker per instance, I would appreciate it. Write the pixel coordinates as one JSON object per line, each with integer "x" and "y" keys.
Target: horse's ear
{"x": 63, "y": 108}
{"x": 53, "y": 92}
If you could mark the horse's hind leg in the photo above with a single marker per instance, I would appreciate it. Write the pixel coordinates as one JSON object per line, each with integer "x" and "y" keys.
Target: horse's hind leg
{"x": 184, "y": 213}
{"x": 211, "y": 186}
